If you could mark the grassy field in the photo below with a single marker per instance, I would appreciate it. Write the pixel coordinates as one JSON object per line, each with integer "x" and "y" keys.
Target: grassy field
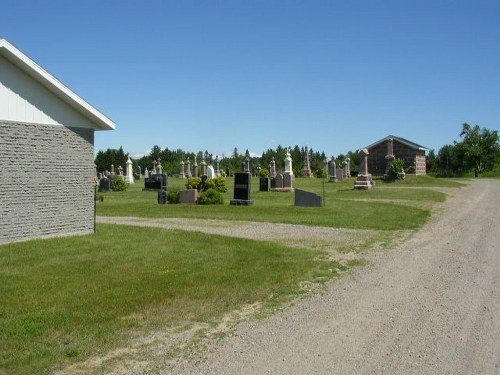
{"x": 64, "y": 300}
{"x": 344, "y": 207}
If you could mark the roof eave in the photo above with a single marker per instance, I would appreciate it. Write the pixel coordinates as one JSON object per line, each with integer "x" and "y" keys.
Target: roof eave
{"x": 35, "y": 71}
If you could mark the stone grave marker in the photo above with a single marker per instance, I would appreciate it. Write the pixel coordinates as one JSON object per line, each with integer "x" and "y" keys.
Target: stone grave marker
{"x": 242, "y": 189}
{"x": 264, "y": 184}
{"x": 278, "y": 182}
{"x": 305, "y": 198}
{"x": 189, "y": 196}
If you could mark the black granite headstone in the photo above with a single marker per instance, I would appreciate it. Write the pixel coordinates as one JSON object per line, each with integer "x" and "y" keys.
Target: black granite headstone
{"x": 264, "y": 184}
{"x": 156, "y": 182}
{"x": 305, "y": 198}
{"x": 242, "y": 183}
{"x": 242, "y": 189}
{"x": 105, "y": 185}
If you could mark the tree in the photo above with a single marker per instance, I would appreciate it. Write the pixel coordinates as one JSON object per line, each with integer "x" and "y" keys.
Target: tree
{"x": 480, "y": 148}
{"x": 104, "y": 159}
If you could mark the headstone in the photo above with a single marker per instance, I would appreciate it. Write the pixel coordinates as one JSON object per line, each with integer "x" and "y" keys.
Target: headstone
{"x": 162, "y": 197}
{"x": 112, "y": 169}
{"x": 120, "y": 170}
{"x": 182, "y": 174}
{"x": 158, "y": 167}
{"x": 287, "y": 182}
{"x": 333, "y": 170}
{"x": 389, "y": 174}
{"x": 305, "y": 198}
{"x": 278, "y": 182}
{"x": 210, "y": 172}
{"x": 203, "y": 179}
{"x": 246, "y": 165}
{"x": 242, "y": 189}
{"x": 306, "y": 170}
{"x": 105, "y": 185}
{"x": 129, "y": 177}
{"x": 203, "y": 167}
{"x": 146, "y": 173}
{"x": 272, "y": 168}
{"x": 195, "y": 167}
{"x": 364, "y": 180}
{"x": 340, "y": 173}
{"x": 348, "y": 170}
{"x": 344, "y": 169}
{"x": 288, "y": 163}
{"x": 189, "y": 196}
{"x": 156, "y": 182}
{"x": 264, "y": 184}
{"x": 273, "y": 183}
{"x": 217, "y": 167}
{"x": 188, "y": 169}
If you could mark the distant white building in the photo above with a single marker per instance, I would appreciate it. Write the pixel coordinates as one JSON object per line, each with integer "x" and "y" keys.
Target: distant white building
{"x": 46, "y": 152}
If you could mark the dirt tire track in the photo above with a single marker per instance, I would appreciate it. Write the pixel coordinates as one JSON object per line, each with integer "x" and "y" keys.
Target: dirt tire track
{"x": 430, "y": 306}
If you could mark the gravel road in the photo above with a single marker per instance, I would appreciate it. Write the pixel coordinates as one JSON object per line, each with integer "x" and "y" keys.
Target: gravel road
{"x": 430, "y": 306}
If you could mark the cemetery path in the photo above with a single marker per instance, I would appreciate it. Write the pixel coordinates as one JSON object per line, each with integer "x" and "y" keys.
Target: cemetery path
{"x": 429, "y": 306}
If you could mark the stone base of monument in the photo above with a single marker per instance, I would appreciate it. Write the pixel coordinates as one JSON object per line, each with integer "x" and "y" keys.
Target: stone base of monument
{"x": 241, "y": 202}
{"x": 364, "y": 182}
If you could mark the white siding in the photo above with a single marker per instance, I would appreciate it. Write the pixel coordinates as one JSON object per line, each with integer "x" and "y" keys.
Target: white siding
{"x": 22, "y": 99}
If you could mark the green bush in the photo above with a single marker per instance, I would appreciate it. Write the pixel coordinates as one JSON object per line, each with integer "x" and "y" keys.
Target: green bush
{"x": 320, "y": 173}
{"x": 264, "y": 172}
{"x": 397, "y": 168}
{"x": 211, "y": 196}
{"x": 193, "y": 183}
{"x": 219, "y": 184}
{"x": 173, "y": 196}
{"x": 118, "y": 183}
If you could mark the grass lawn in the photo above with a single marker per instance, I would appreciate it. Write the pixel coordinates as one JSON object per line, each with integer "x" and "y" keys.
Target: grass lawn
{"x": 66, "y": 299}
{"x": 342, "y": 206}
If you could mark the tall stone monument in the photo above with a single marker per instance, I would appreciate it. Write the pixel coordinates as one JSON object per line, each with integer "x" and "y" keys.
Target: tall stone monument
{"x": 333, "y": 170}
{"x": 195, "y": 167}
{"x": 129, "y": 175}
{"x": 272, "y": 168}
{"x": 364, "y": 180}
{"x": 306, "y": 170}
{"x": 188, "y": 169}
{"x": 288, "y": 163}
{"x": 389, "y": 158}
{"x": 182, "y": 174}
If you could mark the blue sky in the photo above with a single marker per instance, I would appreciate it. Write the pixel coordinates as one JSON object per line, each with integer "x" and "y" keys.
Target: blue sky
{"x": 214, "y": 75}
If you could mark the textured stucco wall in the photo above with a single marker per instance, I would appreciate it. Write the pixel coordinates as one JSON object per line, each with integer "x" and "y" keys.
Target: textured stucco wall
{"x": 46, "y": 181}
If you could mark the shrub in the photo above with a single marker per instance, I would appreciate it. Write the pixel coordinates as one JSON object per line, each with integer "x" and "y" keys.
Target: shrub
{"x": 320, "y": 173}
{"x": 118, "y": 184}
{"x": 264, "y": 172}
{"x": 193, "y": 183}
{"x": 211, "y": 196}
{"x": 397, "y": 168}
{"x": 219, "y": 184}
{"x": 173, "y": 196}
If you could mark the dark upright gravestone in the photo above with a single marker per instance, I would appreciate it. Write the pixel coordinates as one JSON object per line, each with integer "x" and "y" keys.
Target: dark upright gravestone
{"x": 242, "y": 189}
{"x": 307, "y": 199}
{"x": 156, "y": 182}
{"x": 264, "y": 184}
{"x": 105, "y": 185}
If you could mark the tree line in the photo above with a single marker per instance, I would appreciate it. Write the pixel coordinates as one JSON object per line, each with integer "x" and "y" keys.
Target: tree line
{"x": 478, "y": 152}
{"x": 171, "y": 159}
